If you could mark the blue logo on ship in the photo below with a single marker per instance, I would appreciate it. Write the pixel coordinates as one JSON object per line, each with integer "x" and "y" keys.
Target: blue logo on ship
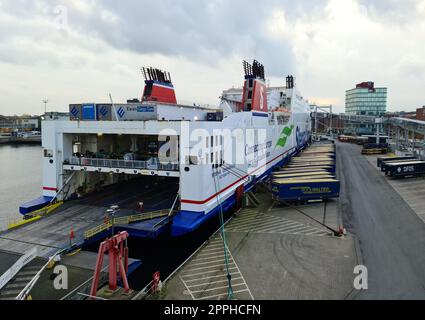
{"x": 121, "y": 112}
{"x": 74, "y": 111}
{"x": 103, "y": 111}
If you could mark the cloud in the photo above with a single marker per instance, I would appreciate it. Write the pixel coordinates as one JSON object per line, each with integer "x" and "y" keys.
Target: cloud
{"x": 81, "y": 50}
{"x": 204, "y": 31}
{"x": 394, "y": 11}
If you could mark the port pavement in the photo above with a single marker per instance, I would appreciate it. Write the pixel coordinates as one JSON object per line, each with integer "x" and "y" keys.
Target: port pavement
{"x": 390, "y": 232}
{"x": 275, "y": 253}
{"x": 410, "y": 189}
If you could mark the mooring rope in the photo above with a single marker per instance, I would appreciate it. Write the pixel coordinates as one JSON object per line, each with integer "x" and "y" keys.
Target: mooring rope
{"x": 230, "y": 294}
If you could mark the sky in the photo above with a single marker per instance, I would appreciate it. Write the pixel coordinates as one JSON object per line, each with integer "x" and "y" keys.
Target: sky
{"x": 82, "y": 50}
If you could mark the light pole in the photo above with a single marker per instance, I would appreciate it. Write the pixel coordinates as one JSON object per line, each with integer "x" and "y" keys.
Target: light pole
{"x": 111, "y": 211}
{"x": 45, "y": 101}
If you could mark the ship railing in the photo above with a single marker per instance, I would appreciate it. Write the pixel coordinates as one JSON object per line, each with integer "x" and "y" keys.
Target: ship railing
{"x": 125, "y": 221}
{"x": 126, "y": 164}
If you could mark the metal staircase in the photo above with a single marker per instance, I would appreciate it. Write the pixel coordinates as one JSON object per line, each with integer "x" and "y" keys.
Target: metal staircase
{"x": 15, "y": 279}
{"x": 18, "y": 283}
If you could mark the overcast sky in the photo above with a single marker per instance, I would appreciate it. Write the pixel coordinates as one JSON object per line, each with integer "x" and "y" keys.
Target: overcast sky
{"x": 82, "y": 50}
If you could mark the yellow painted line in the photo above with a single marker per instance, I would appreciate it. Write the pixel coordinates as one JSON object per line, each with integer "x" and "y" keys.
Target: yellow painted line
{"x": 36, "y": 215}
{"x": 74, "y": 253}
{"x": 22, "y": 223}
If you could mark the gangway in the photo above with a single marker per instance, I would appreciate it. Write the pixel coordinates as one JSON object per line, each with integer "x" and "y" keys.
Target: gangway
{"x": 25, "y": 292}
{"x": 17, "y": 279}
{"x": 17, "y": 266}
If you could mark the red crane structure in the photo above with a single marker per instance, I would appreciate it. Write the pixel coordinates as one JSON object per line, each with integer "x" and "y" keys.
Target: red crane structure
{"x": 118, "y": 256}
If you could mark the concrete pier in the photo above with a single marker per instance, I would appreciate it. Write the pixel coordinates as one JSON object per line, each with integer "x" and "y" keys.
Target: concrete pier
{"x": 273, "y": 253}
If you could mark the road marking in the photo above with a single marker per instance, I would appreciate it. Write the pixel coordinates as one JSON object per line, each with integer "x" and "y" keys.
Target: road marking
{"x": 214, "y": 246}
{"x": 276, "y": 226}
{"x": 219, "y": 288}
{"x": 253, "y": 225}
{"x": 212, "y": 265}
{"x": 211, "y": 277}
{"x": 269, "y": 225}
{"x": 273, "y": 224}
{"x": 254, "y": 222}
{"x": 209, "y": 258}
{"x": 187, "y": 289}
{"x": 209, "y": 254}
{"x": 252, "y": 298}
{"x": 209, "y": 262}
{"x": 213, "y": 249}
{"x": 207, "y": 283}
{"x": 222, "y": 295}
{"x": 196, "y": 274}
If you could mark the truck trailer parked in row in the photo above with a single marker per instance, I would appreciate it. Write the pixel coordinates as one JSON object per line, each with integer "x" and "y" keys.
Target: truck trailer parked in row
{"x": 405, "y": 169}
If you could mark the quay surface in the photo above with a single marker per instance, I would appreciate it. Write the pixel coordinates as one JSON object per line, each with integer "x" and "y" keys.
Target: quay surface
{"x": 274, "y": 253}
{"x": 391, "y": 234}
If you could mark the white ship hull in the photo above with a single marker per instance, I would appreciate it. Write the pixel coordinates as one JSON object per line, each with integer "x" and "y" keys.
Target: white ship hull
{"x": 218, "y": 153}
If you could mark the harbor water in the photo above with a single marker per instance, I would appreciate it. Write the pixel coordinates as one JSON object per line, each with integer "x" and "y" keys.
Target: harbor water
{"x": 20, "y": 179}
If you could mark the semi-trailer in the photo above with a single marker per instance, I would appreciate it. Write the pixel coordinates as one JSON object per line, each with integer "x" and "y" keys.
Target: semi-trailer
{"x": 328, "y": 176}
{"x": 302, "y": 170}
{"x": 311, "y": 164}
{"x": 405, "y": 169}
{"x": 312, "y": 178}
{"x": 305, "y": 190}
{"x": 315, "y": 159}
{"x": 316, "y": 154}
{"x": 300, "y": 174}
{"x": 385, "y": 163}
{"x": 380, "y": 160}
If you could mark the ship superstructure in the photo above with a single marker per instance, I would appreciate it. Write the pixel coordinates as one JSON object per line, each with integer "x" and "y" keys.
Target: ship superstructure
{"x": 214, "y": 154}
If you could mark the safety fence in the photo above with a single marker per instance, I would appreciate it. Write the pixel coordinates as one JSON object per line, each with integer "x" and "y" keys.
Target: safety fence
{"x": 123, "y": 164}
{"x": 110, "y": 222}
{"x": 34, "y": 216}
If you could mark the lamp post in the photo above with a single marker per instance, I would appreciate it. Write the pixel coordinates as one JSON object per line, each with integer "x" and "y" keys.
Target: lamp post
{"x": 111, "y": 215}
{"x": 45, "y": 101}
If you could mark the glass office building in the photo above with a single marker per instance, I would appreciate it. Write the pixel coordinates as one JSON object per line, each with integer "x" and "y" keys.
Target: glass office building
{"x": 366, "y": 100}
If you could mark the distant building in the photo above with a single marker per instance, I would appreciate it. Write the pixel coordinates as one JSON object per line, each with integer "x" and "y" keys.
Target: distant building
{"x": 55, "y": 116}
{"x": 365, "y": 100}
{"x": 420, "y": 114}
{"x": 23, "y": 123}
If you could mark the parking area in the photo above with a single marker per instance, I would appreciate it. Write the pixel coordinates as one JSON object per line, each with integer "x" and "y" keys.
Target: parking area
{"x": 410, "y": 189}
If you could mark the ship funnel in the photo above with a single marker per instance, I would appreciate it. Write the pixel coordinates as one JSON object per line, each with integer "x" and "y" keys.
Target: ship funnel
{"x": 158, "y": 86}
{"x": 255, "y": 91}
{"x": 290, "y": 83}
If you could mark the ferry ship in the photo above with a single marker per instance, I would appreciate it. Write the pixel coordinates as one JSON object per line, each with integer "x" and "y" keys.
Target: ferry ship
{"x": 215, "y": 154}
